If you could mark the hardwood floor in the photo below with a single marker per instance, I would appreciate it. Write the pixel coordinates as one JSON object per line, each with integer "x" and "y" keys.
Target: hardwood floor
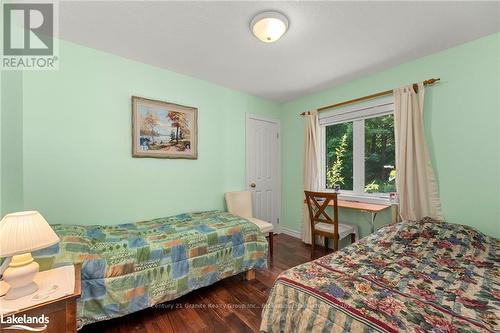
{"x": 230, "y": 305}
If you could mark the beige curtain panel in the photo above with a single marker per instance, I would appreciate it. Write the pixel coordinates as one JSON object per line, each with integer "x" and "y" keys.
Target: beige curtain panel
{"x": 415, "y": 181}
{"x": 311, "y": 166}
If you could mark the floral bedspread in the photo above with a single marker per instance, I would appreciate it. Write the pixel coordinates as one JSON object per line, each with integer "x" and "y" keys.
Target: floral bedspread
{"x": 132, "y": 266}
{"x": 421, "y": 276}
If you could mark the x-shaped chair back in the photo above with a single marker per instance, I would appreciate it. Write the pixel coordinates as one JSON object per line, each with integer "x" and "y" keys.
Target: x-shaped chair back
{"x": 317, "y": 202}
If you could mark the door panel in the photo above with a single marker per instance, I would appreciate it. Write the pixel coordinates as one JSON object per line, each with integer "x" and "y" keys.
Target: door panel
{"x": 262, "y": 160}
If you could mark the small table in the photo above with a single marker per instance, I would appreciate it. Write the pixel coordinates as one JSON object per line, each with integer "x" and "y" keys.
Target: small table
{"x": 61, "y": 312}
{"x": 374, "y": 209}
{"x": 363, "y": 207}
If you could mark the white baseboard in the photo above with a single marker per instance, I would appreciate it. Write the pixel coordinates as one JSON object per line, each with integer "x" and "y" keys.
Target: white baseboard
{"x": 290, "y": 232}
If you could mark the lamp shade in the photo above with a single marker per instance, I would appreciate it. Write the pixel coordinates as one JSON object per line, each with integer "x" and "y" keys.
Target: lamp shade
{"x": 24, "y": 232}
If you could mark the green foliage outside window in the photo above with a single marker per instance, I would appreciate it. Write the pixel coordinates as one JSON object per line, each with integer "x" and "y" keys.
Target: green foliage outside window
{"x": 339, "y": 159}
{"x": 334, "y": 174}
{"x": 380, "y": 172}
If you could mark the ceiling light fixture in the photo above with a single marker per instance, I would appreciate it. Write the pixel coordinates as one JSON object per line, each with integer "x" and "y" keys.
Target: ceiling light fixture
{"x": 269, "y": 26}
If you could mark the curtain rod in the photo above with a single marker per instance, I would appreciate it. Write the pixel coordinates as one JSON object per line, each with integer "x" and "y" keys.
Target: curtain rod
{"x": 379, "y": 94}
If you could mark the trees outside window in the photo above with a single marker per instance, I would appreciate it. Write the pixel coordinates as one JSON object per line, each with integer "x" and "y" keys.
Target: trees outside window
{"x": 380, "y": 170}
{"x": 339, "y": 164}
{"x": 368, "y": 169}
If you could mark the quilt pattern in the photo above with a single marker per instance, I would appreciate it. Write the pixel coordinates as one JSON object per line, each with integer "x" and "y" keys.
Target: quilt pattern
{"x": 132, "y": 266}
{"x": 424, "y": 276}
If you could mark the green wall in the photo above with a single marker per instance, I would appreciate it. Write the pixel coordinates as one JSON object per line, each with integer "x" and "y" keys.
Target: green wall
{"x": 11, "y": 149}
{"x": 75, "y": 164}
{"x": 77, "y": 141}
{"x": 462, "y": 124}
{"x": 11, "y": 128}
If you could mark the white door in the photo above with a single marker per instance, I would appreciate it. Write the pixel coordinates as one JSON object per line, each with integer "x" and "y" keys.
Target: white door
{"x": 263, "y": 167}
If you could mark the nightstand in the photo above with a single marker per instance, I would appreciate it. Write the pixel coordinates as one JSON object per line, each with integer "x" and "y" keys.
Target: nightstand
{"x": 60, "y": 313}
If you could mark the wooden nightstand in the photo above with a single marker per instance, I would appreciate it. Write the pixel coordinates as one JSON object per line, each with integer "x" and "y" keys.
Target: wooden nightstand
{"x": 61, "y": 312}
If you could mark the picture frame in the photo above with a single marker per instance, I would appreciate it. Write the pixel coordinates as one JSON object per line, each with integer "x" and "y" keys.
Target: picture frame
{"x": 163, "y": 129}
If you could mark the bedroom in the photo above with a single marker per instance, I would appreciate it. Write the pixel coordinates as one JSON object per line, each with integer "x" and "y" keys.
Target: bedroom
{"x": 68, "y": 149}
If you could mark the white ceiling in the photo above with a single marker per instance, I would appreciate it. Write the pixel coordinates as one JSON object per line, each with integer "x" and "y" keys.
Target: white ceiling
{"x": 327, "y": 43}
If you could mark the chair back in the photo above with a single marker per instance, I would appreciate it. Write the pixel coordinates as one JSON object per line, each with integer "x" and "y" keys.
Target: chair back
{"x": 317, "y": 203}
{"x": 239, "y": 203}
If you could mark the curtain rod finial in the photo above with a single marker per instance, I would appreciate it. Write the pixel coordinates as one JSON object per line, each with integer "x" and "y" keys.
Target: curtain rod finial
{"x": 431, "y": 81}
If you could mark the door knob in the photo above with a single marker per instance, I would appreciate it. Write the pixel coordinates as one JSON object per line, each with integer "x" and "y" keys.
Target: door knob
{"x": 252, "y": 185}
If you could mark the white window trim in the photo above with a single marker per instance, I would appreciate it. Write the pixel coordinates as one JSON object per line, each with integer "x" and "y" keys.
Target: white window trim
{"x": 356, "y": 114}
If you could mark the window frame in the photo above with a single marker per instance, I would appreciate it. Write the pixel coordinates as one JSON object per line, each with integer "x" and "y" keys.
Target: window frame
{"x": 357, "y": 115}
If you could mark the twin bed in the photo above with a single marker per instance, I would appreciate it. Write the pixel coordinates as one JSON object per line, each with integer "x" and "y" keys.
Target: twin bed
{"x": 130, "y": 267}
{"x": 419, "y": 277}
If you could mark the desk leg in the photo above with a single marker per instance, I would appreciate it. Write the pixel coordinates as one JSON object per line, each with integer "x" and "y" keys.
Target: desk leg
{"x": 374, "y": 215}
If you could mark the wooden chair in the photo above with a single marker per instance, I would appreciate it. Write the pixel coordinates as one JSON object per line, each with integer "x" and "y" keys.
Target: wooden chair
{"x": 322, "y": 224}
{"x": 240, "y": 203}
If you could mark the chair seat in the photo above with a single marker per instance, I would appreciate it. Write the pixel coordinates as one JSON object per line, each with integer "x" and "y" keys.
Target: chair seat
{"x": 264, "y": 226}
{"x": 344, "y": 229}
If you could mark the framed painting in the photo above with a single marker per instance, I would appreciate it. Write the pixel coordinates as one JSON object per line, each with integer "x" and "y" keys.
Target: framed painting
{"x": 163, "y": 130}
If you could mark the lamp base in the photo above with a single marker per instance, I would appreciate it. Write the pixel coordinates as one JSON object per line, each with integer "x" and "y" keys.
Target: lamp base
{"x": 15, "y": 293}
{"x": 19, "y": 275}
{"x": 4, "y": 288}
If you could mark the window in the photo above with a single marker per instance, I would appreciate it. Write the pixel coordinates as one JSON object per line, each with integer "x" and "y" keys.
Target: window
{"x": 339, "y": 149}
{"x": 358, "y": 149}
{"x": 380, "y": 171}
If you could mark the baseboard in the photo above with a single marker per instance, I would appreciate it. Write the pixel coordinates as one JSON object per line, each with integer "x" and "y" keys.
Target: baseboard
{"x": 290, "y": 232}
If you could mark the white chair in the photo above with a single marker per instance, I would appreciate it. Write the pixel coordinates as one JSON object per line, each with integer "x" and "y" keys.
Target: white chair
{"x": 240, "y": 204}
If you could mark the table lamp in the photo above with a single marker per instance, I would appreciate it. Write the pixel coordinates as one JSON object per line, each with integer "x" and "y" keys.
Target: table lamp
{"x": 20, "y": 234}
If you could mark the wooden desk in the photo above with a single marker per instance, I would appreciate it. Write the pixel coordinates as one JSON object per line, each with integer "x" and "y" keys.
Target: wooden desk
{"x": 373, "y": 209}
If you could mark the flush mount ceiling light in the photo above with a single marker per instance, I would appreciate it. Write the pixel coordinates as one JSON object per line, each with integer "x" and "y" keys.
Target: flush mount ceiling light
{"x": 269, "y": 26}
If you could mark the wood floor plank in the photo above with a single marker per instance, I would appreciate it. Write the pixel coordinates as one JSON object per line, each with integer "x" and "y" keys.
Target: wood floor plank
{"x": 156, "y": 322}
{"x": 185, "y": 319}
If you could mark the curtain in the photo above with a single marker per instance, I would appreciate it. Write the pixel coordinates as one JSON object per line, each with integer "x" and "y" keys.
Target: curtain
{"x": 415, "y": 181}
{"x": 311, "y": 166}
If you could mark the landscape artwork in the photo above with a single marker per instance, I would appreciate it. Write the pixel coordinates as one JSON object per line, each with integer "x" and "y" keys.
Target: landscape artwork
{"x": 163, "y": 130}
